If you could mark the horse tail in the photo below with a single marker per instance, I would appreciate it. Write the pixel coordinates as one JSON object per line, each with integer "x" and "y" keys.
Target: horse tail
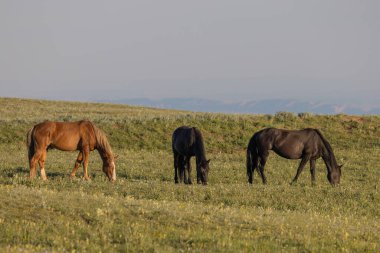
{"x": 249, "y": 164}
{"x": 30, "y": 143}
{"x": 252, "y": 158}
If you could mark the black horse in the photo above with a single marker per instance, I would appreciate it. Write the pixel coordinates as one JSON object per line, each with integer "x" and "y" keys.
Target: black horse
{"x": 307, "y": 144}
{"x": 188, "y": 142}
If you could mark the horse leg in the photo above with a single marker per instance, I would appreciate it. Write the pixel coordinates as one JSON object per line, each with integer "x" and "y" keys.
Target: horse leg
{"x": 263, "y": 160}
{"x": 85, "y": 154}
{"x": 300, "y": 168}
{"x": 188, "y": 166}
{"x": 312, "y": 170}
{"x": 255, "y": 165}
{"x": 77, "y": 164}
{"x": 41, "y": 162}
{"x": 181, "y": 168}
{"x": 32, "y": 164}
{"x": 176, "y": 161}
{"x": 199, "y": 178}
{"x": 184, "y": 168}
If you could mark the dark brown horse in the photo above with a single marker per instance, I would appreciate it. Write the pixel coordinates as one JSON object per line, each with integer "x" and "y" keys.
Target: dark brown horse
{"x": 69, "y": 136}
{"x": 307, "y": 144}
{"x": 188, "y": 142}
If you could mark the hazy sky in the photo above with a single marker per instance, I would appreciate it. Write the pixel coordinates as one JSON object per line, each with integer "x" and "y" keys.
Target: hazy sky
{"x": 230, "y": 50}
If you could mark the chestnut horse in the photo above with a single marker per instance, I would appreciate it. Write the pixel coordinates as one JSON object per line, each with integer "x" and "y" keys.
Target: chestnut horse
{"x": 307, "y": 144}
{"x": 69, "y": 136}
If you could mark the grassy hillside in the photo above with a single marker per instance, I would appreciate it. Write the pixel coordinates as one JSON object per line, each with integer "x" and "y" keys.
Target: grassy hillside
{"x": 145, "y": 211}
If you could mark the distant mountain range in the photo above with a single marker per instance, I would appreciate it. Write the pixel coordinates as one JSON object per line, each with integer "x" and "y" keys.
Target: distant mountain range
{"x": 269, "y": 106}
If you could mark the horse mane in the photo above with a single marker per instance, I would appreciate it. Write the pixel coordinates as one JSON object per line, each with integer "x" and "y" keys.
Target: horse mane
{"x": 328, "y": 148}
{"x": 102, "y": 141}
{"x": 200, "y": 150}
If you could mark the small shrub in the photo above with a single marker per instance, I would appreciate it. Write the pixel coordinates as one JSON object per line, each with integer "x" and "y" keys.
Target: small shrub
{"x": 305, "y": 115}
{"x": 284, "y": 116}
{"x": 268, "y": 117}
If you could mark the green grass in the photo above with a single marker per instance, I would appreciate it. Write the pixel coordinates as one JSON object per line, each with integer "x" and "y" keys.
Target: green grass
{"x": 144, "y": 211}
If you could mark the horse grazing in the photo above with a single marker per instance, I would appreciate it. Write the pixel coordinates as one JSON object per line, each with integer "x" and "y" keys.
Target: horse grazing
{"x": 69, "y": 136}
{"x": 307, "y": 144}
{"x": 188, "y": 142}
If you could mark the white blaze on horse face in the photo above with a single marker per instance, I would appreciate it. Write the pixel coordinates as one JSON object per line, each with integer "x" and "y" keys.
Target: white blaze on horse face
{"x": 113, "y": 171}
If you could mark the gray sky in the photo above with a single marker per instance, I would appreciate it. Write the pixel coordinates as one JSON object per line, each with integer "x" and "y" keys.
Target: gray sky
{"x": 230, "y": 50}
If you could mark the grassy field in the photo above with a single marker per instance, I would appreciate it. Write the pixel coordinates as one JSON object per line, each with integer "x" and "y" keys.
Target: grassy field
{"x": 144, "y": 211}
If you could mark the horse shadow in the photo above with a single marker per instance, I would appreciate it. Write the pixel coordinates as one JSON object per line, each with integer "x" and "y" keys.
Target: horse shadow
{"x": 22, "y": 171}
{"x": 54, "y": 175}
{"x": 17, "y": 171}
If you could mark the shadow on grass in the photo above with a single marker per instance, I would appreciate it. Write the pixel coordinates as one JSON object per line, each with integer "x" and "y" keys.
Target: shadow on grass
{"x": 123, "y": 175}
{"x": 22, "y": 171}
{"x": 54, "y": 175}
{"x": 19, "y": 170}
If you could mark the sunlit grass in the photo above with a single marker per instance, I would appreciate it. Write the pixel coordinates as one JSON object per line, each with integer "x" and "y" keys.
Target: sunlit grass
{"x": 145, "y": 211}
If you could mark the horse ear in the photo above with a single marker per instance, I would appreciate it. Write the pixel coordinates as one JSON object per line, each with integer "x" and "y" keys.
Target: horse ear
{"x": 340, "y": 166}
{"x": 208, "y": 161}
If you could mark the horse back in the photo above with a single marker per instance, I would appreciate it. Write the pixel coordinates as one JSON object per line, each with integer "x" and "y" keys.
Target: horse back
{"x": 183, "y": 140}
{"x": 67, "y": 136}
{"x": 291, "y": 144}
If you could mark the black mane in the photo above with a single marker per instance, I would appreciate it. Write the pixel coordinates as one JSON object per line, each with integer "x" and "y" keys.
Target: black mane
{"x": 330, "y": 153}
